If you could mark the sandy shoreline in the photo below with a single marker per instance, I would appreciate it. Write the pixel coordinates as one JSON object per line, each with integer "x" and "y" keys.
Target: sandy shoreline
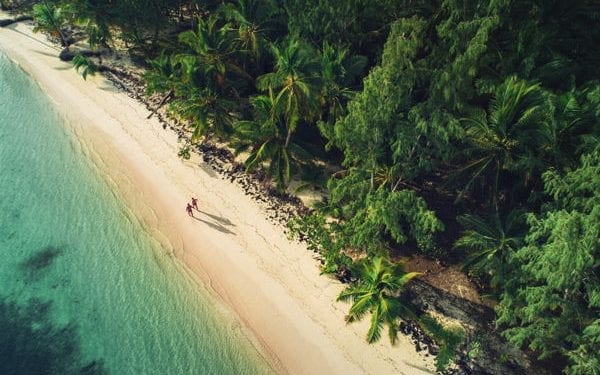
{"x": 271, "y": 284}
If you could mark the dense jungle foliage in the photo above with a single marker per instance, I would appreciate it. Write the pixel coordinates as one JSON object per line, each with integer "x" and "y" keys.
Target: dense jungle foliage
{"x": 467, "y": 130}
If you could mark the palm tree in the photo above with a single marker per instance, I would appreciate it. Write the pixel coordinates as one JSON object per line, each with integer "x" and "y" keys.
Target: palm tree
{"x": 506, "y": 138}
{"x": 268, "y": 138}
{"x": 51, "y": 19}
{"x": 212, "y": 51}
{"x": 204, "y": 108}
{"x": 94, "y": 17}
{"x": 295, "y": 76}
{"x": 568, "y": 132}
{"x": 254, "y": 20}
{"x": 338, "y": 71}
{"x": 489, "y": 242}
{"x": 380, "y": 282}
{"x": 163, "y": 76}
{"x": 201, "y": 90}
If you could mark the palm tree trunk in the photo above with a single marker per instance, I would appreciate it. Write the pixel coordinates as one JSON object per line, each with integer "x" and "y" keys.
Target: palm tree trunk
{"x": 288, "y": 137}
{"x": 162, "y": 102}
{"x": 155, "y": 36}
{"x": 495, "y": 187}
{"x": 63, "y": 39}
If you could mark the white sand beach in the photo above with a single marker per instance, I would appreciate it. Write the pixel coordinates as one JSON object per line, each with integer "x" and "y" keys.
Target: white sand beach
{"x": 272, "y": 284}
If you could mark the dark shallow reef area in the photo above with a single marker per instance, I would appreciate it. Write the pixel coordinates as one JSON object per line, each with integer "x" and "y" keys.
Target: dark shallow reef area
{"x": 31, "y": 343}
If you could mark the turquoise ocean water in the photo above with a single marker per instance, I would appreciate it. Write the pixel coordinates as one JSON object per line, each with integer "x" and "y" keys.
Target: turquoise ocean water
{"x": 83, "y": 288}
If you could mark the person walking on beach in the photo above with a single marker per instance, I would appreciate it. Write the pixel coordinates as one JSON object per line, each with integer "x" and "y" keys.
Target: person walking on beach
{"x": 189, "y": 211}
{"x": 195, "y": 203}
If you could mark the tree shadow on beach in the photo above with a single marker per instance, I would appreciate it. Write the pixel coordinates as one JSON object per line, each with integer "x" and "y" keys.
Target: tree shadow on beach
{"x": 13, "y": 27}
{"x": 31, "y": 343}
{"x": 65, "y": 67}
{"x": 46, "y": 54}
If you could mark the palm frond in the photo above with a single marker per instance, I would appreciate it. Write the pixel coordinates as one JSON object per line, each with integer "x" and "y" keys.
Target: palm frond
{"x": 84, "y": 64}
{"x": 374, "y": 332}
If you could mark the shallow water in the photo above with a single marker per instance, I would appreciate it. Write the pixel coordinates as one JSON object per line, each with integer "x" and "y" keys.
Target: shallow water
{"x": 83, "y": 288}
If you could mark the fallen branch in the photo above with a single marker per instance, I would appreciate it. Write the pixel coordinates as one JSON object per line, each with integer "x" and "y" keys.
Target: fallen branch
{"x": 162, "y": 102}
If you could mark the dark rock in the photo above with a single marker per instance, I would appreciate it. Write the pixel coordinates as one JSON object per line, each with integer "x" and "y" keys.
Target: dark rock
{"x": 403, "y": 328}
{"x": 433, "y": 349}
{"x": 70, "y": 40}
{"x": 66, "y": 55}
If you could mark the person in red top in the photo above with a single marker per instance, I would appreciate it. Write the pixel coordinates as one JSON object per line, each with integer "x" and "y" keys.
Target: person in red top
{"x": 195, "y": 203}
{"x": 189, "y": 211}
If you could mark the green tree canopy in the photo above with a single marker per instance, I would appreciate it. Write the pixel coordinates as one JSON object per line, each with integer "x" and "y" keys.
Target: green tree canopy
{"x": 553, "y": 303}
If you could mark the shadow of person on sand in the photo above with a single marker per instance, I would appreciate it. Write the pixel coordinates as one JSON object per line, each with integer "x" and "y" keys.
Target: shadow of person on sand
{"x": 220, "y": 219}
{"x": 216, "y": 226}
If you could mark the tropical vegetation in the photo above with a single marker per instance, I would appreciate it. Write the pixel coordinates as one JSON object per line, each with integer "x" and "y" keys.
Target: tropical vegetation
{"x": 464, "y": 130}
